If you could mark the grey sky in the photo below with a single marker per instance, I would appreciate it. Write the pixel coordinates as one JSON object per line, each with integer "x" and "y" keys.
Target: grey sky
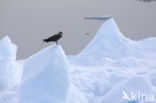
{"x": 27, "y": 22}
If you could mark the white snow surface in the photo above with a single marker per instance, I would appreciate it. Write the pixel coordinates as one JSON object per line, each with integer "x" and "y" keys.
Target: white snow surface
{"x": 10, "y": 71}
{"x": 7, "y": 49}
{"x": 45, "y": 77}
{"x": 110, "y": 66}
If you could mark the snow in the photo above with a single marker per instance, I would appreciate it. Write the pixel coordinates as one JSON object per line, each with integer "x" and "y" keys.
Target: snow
{"x": 10, "y": 71}
{"x": 108, "y": 43}
{"x": 143, "y": 86}
{"x": 108, "y": 68}
{"x": 109, "y": 64}
{"x": 45, "y": 77}
{"x": 7, "y": 49}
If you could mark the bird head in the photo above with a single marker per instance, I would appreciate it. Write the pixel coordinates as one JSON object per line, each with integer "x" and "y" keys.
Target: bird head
{"x": 60, "y": 33}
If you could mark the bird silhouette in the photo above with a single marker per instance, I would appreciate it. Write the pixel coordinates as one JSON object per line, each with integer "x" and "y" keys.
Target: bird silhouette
{"x": 54, "y": 38}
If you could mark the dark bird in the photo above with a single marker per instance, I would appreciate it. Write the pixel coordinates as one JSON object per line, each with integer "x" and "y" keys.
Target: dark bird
{"x": 87, "y": 34}
{"x": 54, "y": 38}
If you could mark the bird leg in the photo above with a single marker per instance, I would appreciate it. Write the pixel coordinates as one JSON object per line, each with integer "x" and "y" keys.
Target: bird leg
{"x": 57, "y": 42}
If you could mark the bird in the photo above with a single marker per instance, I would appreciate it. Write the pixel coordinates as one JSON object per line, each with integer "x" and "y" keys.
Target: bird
{"x": 54, "y": 38}
{"x": 87, "y": 34}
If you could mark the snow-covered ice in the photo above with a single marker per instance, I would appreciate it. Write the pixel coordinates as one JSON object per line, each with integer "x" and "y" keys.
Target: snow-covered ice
{"x": 10, "y": 71}
{"x": 109, "y": 64}
{"x": 45, "y": 77}
{"x": 7, "y": 49}
{"x": 110, "y": 68}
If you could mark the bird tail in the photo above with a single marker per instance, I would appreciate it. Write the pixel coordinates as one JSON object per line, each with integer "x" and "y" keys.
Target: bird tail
{"x": 44, "y": 40}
